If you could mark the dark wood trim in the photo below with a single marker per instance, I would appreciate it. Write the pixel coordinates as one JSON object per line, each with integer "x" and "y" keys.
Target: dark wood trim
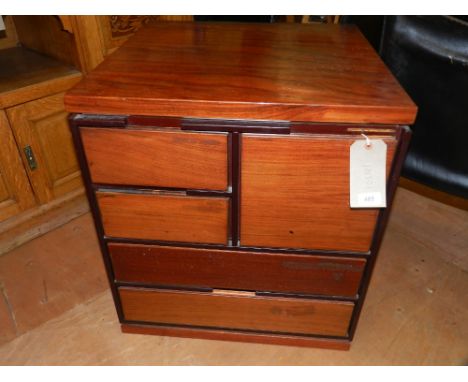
{"x": 342, "y": 129}
{"x": 237, "y": 335}
{"x": 236, "y": 126}
{"x": 257, "y": 293}
{"x": 110, "y": 239}
{"x": 231, "y": 216}
{"x": 208, "y": 193}
{"x": 188, "y": 288}
{"x": 231, "y": 212}
{"x": 91, "y": 120}
{"x": 75, "y": 121}
{"x": 235, "y": 187}
{"x": 141, "y": 120}
{"x": 307, "y": 296}
{"x": 148, "y": 189}
{"x": 403, "y": 136}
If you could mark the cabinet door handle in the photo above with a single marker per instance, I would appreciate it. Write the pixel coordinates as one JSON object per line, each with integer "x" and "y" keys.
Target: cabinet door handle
{"x": 30, "y": 157}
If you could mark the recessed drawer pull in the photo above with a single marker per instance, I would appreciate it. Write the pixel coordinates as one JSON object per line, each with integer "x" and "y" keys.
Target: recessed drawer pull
{"x": 233, "y": 292}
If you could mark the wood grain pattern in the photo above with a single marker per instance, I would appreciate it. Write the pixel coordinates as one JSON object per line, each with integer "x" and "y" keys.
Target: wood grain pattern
{"x": 37, "y": 221}
{"x": 202, "y": 268}
{"x": 295, "y": 194}
{"x": 26, "y": 75}
{"x": 15, "y": 192}
{"x": 45, "y": 34}
{"x": 157, "y": 158}
{"x": 127, "y": 25}
{"x": 238, "y": 335}
{"x": 289, "y": 315}
{"x": 164, "y": 217}
{"x": 10, "y": 38}
{"x": 438, "y": 226}
{"x": 42, "y": 124}
{"x": 319, "y": 73}
{"x": 88, "y": 38}
{"x": 414, "y": 308}
{"x": 115, "y": 30}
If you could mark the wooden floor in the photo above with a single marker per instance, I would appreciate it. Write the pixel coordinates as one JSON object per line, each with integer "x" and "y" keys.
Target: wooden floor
{"x": 55, "y": 306}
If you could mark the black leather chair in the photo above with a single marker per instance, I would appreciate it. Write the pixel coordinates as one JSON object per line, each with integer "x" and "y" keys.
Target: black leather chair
{"x": 429, "y": 56}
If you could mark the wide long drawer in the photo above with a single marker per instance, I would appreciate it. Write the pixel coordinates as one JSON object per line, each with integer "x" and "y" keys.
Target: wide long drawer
{"x": 161, "y": 158}
{"x": 272, "y": 272}
{"x": 287, "y": 315}
{"x": 164, "y": 217}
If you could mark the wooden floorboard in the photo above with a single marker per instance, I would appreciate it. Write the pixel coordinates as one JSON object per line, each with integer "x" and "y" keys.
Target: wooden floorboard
{"x": 49, "y": 275}
{"x": 415, "y": 313}
{"x": 37, "y": 221}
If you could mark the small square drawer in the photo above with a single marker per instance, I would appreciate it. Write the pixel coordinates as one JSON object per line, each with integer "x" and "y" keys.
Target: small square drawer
{"x": 222, "y": 269}
{"x": 158, "y": 158}
{"x": 165, "y": 217}
{"x": 236, "y": 311}
{"x": 295, "y": 193}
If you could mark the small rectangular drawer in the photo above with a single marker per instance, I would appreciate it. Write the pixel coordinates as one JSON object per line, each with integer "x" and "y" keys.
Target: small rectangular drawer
{"x": 160, "y": 158}
{"x": 237, "y": 311}
{"x": 164, "y": 217}
{"x": 272, "y": 272}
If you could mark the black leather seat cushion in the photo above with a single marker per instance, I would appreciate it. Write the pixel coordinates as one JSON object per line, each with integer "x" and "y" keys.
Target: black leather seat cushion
{"x": 429, "y": 56}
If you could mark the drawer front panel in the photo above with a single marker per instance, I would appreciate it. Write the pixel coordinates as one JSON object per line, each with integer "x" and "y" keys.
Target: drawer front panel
{"x": 164, "y": 217}
{"x": 295, "y": 194}
{"x": 291, "y": 315}
{"x": 272, "y": 272}
{"x": 157, "y": 158}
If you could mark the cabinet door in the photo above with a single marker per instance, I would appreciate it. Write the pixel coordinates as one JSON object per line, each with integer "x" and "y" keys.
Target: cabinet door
{"x": 295, "y": 194}
{"x": 42, "y": 125}
{"x": 15, "y": 192}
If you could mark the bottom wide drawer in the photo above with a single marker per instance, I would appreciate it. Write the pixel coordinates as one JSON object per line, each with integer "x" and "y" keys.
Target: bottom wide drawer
{"x": 234, "y": 310}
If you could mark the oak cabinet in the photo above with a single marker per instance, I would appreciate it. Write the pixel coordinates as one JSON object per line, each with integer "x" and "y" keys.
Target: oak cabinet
{"x": 40, "y": 180}
{"x": 37, "y": 162}
{"x": 15, "y": 191}
{"x": 41, "y": 128}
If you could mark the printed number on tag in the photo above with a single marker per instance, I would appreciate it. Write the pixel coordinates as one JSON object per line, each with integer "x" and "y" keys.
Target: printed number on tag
{"x": 367, "y": 173}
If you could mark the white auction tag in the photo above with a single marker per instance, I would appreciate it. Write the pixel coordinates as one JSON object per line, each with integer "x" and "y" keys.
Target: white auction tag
{"x": 367, "y": 174}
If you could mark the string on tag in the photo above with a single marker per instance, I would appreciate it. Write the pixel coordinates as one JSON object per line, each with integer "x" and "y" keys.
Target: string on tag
{"x": 368, "y": 141}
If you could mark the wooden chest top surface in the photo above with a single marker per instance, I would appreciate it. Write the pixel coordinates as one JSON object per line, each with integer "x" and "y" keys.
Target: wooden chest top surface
{"x": 294, "y": 72}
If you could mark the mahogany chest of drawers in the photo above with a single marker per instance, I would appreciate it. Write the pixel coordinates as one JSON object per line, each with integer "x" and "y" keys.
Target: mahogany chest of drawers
{"x": 216, "y": 159}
